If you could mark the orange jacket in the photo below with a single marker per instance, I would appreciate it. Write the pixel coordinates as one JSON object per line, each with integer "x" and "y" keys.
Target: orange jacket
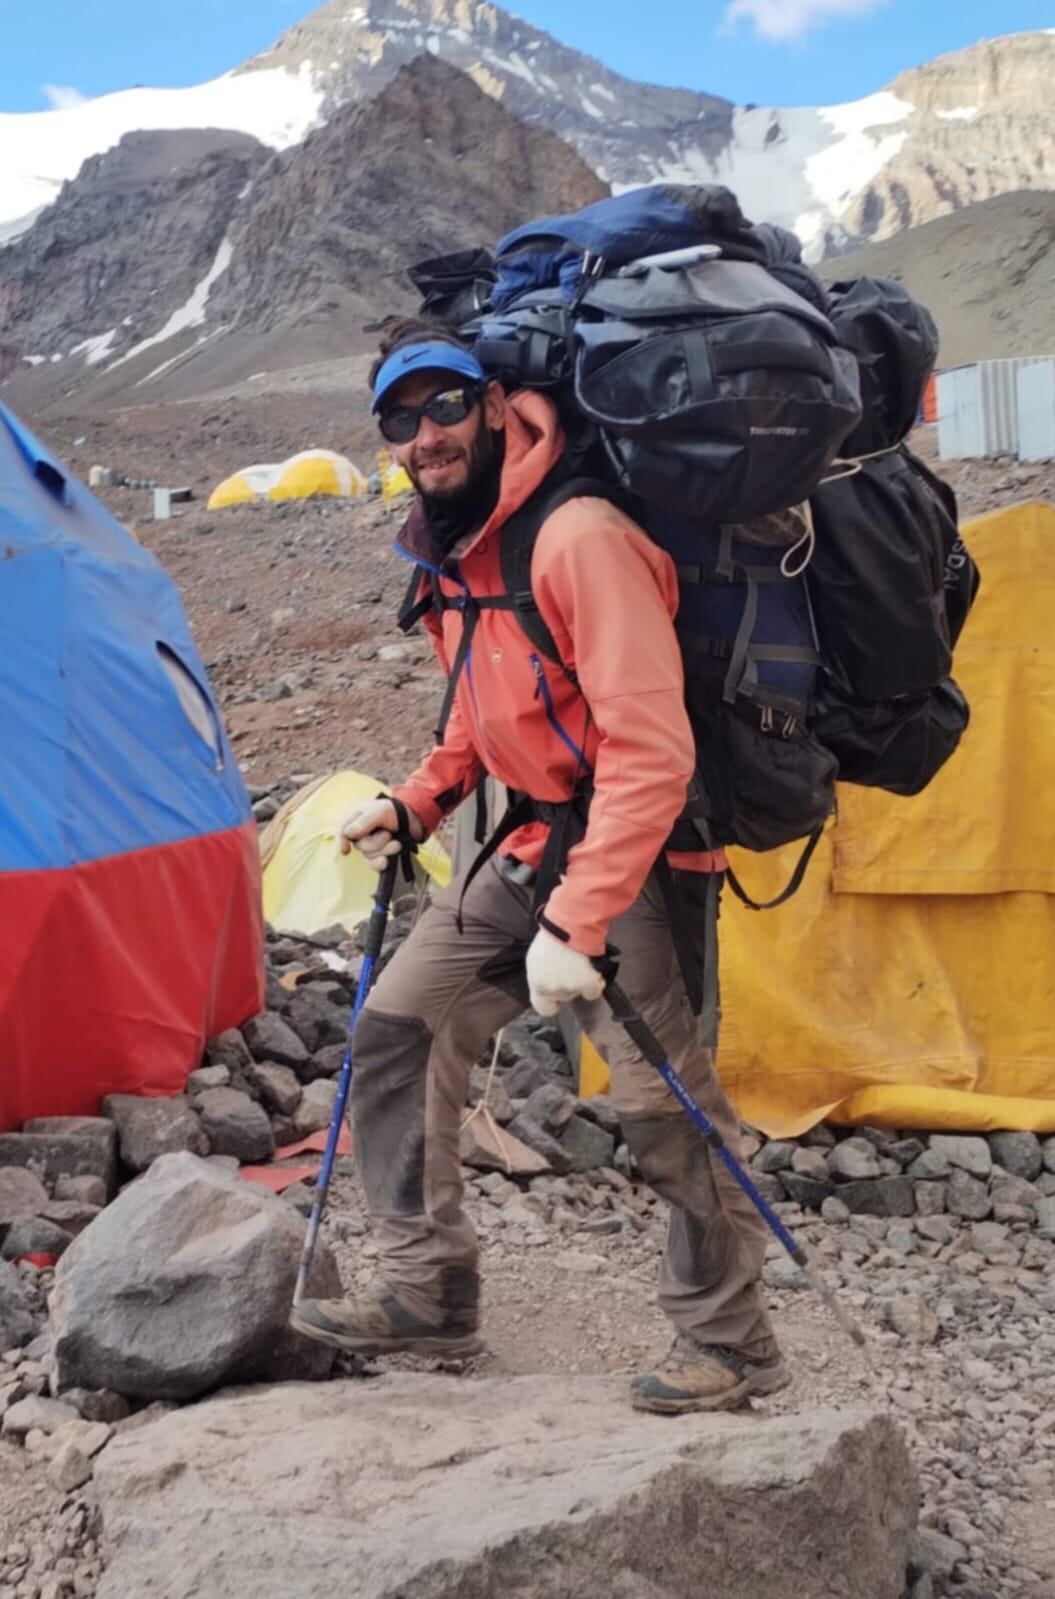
{"x": 608, "y": 595}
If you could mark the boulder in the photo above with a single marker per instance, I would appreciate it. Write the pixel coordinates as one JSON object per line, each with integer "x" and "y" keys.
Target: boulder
{"x": 17, "y": 1322}
{"x": 536, "y": 1138}
{"x": 37, "y": 1413}
{"x": 269, "y": 1037}
{"x": 967, "y": 1197}
{"x": 880, "y": 1196}
{"x": 183, "y": 1283}
{"x": 230, "y": 1048}
{"x": 235, "y": 1125}
{"x": 1018, "y": 1153}
{"x": 64, "y": 1146}
{"x": 853, "y": 1158}
{"x": 149, "y": 1128}
{"x": 810, "y": 1192}
{"x": 85, "y": 1190}
{"x": 586, "y": 1145}
{"x": 21, "y": 1194}
{"x": 277, "y": 1086}
{"x": 315, "y": 1110}
{"x": 596, "y": 1499}
{"x": 208, "y": 1077}
{"x": 35, "y": 1235}
{"x": 316, "y": 1020}
{"x": 73, "y": 1215}
{"x": 551, "y": 1107}
{"x": 775, "y": 1156}
{"x": 965, "y": 1152}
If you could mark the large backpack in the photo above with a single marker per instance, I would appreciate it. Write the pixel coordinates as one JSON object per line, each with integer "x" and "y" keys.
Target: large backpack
{"x": 890, "y": 579}
{"x": 708, "y": 392}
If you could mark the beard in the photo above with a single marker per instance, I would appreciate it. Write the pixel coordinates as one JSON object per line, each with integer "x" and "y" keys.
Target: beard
{"x": 458, "y": 502}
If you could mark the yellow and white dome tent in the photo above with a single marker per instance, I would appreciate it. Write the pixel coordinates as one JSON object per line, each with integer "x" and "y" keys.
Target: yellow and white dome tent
{"x": 308, "y": 884}
{"x": 310, "y": 472}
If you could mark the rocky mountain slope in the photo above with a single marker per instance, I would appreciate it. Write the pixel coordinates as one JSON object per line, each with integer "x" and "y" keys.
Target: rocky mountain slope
{"x": 164, "y": 283}
{"x": 985, "y": 272}
{"x": 125, "y": 246}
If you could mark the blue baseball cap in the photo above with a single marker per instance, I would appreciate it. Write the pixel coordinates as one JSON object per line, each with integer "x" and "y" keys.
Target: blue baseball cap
{"x": 434, "y": 357}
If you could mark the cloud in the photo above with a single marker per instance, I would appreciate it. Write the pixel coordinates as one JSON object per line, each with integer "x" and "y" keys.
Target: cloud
{"x": 780, "y": 20}
{"x": 60, "y": 98}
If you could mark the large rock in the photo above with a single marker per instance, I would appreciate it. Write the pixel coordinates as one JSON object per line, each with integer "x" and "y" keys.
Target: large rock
{"x": 235, "y": 1125}
{"x": 183, "y": 1283}
{"x": 1018, "y": 1153}
{"x": 17, "y": 1322}
{"x": 150, "y": 1128}
{"x": 966, "y": 1153}
{"x": 271, "y": 1038}
{"x": 592, "y": 1498}
{"x": 64, "y": 1146}
{"x": 21, "y": 1194}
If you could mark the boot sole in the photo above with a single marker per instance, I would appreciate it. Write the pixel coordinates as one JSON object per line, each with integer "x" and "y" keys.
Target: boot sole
{"x": 437, "y": 1344}
{"x": 758, "y": 1384}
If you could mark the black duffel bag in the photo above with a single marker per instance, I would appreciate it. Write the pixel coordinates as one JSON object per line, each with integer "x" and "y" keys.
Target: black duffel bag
{"x": 720, "y": 394}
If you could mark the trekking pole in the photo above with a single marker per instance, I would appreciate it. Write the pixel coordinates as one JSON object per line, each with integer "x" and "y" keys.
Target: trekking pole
{"x": 375, "y": 935}
{"x": 653, "y": 1051}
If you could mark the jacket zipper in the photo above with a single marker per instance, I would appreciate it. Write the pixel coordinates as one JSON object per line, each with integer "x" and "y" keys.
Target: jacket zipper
{"x": 542, "y": 688}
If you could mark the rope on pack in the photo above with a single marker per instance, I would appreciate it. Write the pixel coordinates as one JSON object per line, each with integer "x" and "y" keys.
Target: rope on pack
{"x": 853, "y": 463}
{"x": 807, "y": 541}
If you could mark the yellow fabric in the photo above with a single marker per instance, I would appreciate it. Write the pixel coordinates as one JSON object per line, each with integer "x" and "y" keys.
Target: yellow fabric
{"x": 394, "y": 480}
{"x": 234, "y": 490}
{"x": 911, "y": 980}
{"x": 594, "y": 1076}
{"x": 307, "y": 884}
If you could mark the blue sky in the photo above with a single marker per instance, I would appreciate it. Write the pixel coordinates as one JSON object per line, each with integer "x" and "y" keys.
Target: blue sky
{"x": 776, "y": 52}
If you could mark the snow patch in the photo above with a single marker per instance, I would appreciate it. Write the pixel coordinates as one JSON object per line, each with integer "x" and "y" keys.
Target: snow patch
{"x": 192, "y": 314}
{"x": 960, "y": 113}
{"x": 34, "y": 360}
{"x": 96, "y": 349}
{"x": 41, "y": 150}
{"x": 603, "y": 90}
{"x": 861, "y": 149}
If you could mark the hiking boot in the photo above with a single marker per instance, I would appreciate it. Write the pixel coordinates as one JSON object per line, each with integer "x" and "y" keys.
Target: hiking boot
{"x": 705, "y": 1377}
{"x": 376, "y": 1323}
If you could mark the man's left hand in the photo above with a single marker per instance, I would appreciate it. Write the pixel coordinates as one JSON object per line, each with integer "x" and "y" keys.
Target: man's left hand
{"x": 557, "y": 974}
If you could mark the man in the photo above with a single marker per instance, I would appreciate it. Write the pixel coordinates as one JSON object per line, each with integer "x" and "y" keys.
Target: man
{"x": 613, "y": 719}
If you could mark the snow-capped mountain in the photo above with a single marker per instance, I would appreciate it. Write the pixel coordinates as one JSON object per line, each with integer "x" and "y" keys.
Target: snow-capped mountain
{"x": 965, "y": 127}
{"x": 142, "y": 225}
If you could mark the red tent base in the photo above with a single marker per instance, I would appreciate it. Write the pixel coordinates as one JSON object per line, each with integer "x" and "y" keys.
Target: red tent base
{"x": 113, "y": 974}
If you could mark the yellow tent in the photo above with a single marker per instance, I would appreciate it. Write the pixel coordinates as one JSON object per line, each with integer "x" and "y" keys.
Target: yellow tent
{"x": 310, "y": 472}
{"x": 394, "y": 480}
{"x": 911, "y": 980}
{"x": 308, "y": 885}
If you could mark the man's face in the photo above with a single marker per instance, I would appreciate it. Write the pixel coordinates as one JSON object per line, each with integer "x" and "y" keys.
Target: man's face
{"x": 447, "y": 463}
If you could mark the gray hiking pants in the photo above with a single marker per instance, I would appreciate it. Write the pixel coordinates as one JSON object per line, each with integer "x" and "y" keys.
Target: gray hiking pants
{"x": 423, "y": 1028}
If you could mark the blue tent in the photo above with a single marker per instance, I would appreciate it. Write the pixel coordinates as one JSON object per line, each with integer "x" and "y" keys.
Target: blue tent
{"x": 130, "y": 924}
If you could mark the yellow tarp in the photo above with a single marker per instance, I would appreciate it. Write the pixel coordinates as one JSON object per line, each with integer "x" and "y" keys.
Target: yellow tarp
{"x": 307, "y": 884}
{"x": 911, "y": 981}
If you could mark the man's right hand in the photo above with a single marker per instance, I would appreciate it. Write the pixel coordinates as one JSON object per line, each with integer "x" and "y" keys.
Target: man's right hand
{"x": 371, "y": 826}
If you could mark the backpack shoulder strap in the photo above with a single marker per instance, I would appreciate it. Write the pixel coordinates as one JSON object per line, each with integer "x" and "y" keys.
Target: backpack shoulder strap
{"x": 517, "y": 546}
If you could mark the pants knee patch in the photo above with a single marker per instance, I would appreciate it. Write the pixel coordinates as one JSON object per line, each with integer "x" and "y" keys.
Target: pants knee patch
{"x": 390, "y": 1056}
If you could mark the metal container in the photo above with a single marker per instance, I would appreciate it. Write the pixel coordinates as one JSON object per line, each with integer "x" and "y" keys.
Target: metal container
{"x": 980, "y": 413}
{"x": 1035, "y": 389}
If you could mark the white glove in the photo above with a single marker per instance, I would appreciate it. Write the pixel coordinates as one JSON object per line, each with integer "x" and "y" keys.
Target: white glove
{"x": 557, "y": 974}
{"x": 371, "y": 828}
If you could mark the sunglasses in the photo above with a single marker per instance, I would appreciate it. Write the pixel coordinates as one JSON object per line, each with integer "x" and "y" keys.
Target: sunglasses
{"x": 400, "y": 424}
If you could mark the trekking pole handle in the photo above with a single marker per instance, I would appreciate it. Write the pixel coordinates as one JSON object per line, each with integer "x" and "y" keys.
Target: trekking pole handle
{"x": 378, "y": 923}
